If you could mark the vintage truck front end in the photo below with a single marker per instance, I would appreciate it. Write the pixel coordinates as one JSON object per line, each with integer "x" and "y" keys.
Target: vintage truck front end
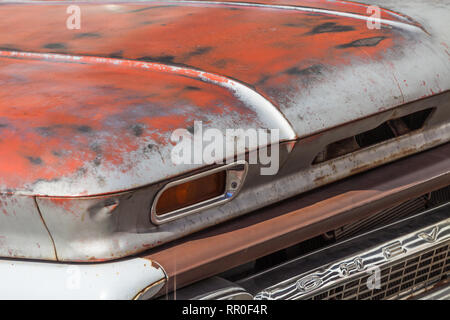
{"x": 332, "y": 179}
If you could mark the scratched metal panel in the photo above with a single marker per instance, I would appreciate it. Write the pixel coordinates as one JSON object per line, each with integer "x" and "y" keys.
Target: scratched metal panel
{"x": 75, "y": 124}
{"x": 100, "y": 228}
{"x": 82, "y": 126}
{"x": 114, "y": 226}
{"x": 22, "y": 232}
{"x": 109, "y": 227}
{"x": 322, "y": 67}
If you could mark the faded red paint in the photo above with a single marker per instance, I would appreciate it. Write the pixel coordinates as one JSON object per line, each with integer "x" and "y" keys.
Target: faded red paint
{"x": 57, "y": 119}
{"x": 253, "y": 45}
{"x": 71, "y": 115}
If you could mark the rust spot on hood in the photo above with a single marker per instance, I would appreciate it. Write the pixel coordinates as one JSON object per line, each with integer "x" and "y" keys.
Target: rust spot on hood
{"x": 67, "y": 121}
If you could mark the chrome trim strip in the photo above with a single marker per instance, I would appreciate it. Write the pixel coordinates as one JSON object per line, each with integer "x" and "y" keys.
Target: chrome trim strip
{"x": 231, "y": 293}
{"x": 236, "y": 174}
{"x": 311, "y": 283}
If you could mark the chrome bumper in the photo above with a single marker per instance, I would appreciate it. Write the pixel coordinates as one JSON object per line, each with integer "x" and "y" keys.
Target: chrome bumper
{"x": 407, "y": 259}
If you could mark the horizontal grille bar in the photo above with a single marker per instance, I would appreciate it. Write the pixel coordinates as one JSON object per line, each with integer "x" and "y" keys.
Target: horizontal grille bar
{"x": 401, "y": 211}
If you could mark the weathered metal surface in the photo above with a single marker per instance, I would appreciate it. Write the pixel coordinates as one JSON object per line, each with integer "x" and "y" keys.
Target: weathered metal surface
{"x": 22, "y": 231}
{"x": 113, "y": 226}
{"x": 303, "y": 217}
{"x": 87, "y": 113}
{"x": 75, "y": 126}
{"x": 305, "y": 62}
{"x": 126, "y": 279}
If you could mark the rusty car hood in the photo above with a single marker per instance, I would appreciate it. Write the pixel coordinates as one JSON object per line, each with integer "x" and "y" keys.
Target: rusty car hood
{"x": 90, "y": 111}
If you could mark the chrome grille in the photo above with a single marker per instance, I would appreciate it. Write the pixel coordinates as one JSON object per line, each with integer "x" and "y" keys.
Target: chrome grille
{"x": 403, "y": 267}
{"x": 397, "y": 281}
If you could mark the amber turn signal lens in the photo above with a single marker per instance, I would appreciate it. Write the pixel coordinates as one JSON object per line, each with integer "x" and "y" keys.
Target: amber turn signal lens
{"x": 191, "y": 192}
